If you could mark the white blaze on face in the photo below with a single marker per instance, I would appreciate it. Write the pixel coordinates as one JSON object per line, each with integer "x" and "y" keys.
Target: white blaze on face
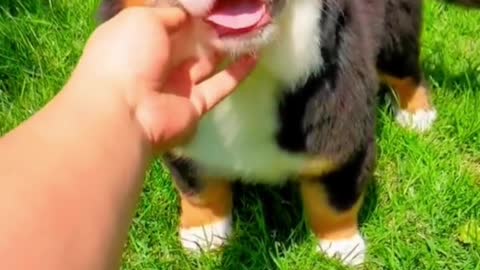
{"x": 197, "y": 7}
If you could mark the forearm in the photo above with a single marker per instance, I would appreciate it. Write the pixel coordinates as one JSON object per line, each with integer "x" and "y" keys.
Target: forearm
{"x": 75, "y": 171}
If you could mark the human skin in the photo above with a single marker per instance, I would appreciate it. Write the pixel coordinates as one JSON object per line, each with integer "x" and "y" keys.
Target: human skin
{"x": 70, "y": 176}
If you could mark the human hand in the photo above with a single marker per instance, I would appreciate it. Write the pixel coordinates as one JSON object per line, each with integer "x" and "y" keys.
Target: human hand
{"x": 131, "y": 57}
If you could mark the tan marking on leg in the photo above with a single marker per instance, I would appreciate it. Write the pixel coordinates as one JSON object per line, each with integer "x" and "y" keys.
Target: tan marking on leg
{"x": 412, "y": 96}
{"x": 336, "y": 231}
{"x": 205, "y": 222}
{"x": 326, "y": 222}
{"x": 316, "y": 167}
{"x": 213, "y": 204}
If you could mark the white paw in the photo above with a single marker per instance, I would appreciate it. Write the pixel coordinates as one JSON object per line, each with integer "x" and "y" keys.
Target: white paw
{"x": 421, "y": 120}
{"x": 208, "y": 237}
{"x": 350, "y": 251}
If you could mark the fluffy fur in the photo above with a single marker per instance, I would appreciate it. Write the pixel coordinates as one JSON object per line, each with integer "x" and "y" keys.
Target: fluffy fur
{"x": 352, "y": 251}
{"x": 312, "y": 97}
{"x": 210, "y": 236}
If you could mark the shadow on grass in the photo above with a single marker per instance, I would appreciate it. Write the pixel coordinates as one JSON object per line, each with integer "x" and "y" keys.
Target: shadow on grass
{"x": 467, "y": 78}
{"x": 269, "y": 221}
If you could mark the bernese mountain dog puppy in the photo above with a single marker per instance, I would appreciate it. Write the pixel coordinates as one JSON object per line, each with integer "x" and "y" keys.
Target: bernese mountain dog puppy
{"x": 306, "y": 114}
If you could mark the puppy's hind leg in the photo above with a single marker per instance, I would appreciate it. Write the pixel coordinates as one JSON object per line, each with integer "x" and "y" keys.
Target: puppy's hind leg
{"x": 399, "y": 65}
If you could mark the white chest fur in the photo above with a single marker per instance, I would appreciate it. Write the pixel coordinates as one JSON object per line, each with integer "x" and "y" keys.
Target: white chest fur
{"x": 237, "y": 139}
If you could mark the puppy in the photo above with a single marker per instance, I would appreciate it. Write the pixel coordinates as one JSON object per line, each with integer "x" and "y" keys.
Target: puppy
{"x": 306, "y": 114}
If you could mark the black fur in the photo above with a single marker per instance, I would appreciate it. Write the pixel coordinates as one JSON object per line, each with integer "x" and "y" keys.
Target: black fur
{"x": 333, "y": 114}
{"x": 400, "y": 41}
{"x": 184, "y": 173}
{"x": 108, "y": 9}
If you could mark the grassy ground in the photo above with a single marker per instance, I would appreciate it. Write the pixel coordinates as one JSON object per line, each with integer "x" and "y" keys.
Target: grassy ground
{"x": 426, "y": 188}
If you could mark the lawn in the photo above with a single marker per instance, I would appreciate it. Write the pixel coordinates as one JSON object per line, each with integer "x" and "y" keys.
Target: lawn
{"x": 426, "y": 189}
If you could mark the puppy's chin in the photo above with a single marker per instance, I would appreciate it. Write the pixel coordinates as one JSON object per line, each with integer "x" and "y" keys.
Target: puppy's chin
{"x": 250, "y": 43}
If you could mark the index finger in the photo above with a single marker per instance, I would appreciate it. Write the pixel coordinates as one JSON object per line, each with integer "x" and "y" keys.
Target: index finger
{"x": 212, "y": 91}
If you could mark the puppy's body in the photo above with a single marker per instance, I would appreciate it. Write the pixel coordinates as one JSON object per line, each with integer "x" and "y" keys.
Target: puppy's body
{"x": 307, "y": 113}
{"x": 237, "y": 140}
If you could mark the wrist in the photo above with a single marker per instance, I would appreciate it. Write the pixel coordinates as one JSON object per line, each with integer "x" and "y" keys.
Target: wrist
{"x": 101, "y": 106}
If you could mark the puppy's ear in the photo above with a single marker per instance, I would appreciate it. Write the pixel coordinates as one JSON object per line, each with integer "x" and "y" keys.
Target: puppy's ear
{"x": 108, "y": 9}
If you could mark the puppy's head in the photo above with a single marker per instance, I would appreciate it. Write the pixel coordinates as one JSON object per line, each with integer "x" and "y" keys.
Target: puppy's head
{"x": 240, "y": 26}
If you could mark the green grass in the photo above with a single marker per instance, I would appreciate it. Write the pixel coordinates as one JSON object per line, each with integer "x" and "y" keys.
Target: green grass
{"x": 427, "y": 187}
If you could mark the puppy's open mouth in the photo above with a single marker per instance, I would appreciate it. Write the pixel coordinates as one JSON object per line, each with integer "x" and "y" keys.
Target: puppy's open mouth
{"x": 232, "y": 18}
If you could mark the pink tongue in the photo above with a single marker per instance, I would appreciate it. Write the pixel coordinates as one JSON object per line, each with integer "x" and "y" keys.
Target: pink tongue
{"x": 239, "y": 15}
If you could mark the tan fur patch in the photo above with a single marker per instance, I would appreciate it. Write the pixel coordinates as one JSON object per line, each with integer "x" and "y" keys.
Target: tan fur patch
{"x": 412, "y": 96}
{"x": 150, "y": 3}
{"x": 214, "y": 203}
{"x": 326, "y": 222}
{"x": 317, "y": 167}
{"x": 135, "y": 3}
